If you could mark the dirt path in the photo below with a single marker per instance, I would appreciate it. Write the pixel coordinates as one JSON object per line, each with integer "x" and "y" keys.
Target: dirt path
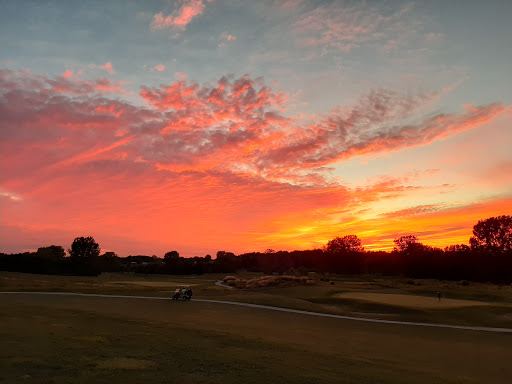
{"x": 267, "y": 307}
{"x": 219, "y": 283}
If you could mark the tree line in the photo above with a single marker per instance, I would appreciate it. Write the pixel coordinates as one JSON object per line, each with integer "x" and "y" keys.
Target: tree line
{"x": 487, "y": 258}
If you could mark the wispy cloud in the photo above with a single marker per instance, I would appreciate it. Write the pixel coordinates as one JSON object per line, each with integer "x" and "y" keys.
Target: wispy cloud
{"x": 341, "y": 27}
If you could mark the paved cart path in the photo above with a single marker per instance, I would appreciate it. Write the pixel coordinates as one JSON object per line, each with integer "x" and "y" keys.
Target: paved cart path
{"x": 268, "y": 307}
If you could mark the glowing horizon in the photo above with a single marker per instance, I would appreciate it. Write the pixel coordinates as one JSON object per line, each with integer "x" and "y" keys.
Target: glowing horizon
{"x": 198, "y": 134}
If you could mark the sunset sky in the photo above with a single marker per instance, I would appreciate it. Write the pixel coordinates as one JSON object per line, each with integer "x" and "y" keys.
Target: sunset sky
{"x": 206, "y": 125}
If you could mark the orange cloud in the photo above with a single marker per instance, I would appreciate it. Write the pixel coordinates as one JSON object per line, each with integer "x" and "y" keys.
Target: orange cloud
{"x": 160, "y": 67}
{"x": 217, "y": 165}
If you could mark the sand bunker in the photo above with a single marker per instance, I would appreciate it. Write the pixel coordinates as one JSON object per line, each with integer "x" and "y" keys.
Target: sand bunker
{"x": 411, "y": 301}
{"x": 126, "y": 363}
{"x": 157, "y": 284}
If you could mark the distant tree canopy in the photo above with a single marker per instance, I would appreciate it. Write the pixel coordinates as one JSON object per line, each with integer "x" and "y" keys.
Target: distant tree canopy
{"x": 171, "y": 256}
{"x": 55, "y": 252}
{"x": 488, "y": 259}
{"x": 345, "y": 244}
{"x": 404, "y": 243}
{"x": 457, "y": 248}
{"x": 109, "y": 255}
{"x": 84, "y": 248}
{"x": 493, "y": 234}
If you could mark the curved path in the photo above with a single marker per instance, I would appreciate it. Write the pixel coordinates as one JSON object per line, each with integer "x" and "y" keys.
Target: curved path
{"x": 268, "y": 307}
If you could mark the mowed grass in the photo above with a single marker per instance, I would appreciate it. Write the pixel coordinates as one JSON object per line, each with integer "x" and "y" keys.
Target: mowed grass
{"x": 63, "y": 339}
{"x": 402, "y": 299}
{"x": 411, "y": 301}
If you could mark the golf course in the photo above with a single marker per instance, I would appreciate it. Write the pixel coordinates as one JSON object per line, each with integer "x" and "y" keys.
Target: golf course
{"x": 123, "y": 328}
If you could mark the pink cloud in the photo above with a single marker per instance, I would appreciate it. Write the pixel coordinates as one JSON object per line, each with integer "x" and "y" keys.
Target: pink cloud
{"x": 237, "y": 123}
{"x": 107, "y": 67}
{"x": 159, "y": 67}
{"x": 181, "y": 16}
{"x": 67, "y": 74}
{"x": 228, "y": 37}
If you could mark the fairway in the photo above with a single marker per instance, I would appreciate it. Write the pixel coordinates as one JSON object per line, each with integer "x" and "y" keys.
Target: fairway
{"x": 61, "y": 339}
{"x": 157, "y": 284}
{"x": 410, "y": 301}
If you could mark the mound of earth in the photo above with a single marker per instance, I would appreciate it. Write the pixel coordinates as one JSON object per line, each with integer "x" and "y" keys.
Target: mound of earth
{"x": 268, "y": 281}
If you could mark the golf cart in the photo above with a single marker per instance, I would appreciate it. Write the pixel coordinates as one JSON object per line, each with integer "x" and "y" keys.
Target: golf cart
{"x": 182, "y": 293}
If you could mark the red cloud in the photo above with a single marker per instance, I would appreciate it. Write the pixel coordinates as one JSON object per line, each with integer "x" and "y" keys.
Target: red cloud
{"x": 181, "y": 16}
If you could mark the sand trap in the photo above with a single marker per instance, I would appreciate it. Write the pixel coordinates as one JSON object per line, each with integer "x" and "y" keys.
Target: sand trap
{"x": 158, "y": 284}
{"x": 126, "y": 363}
{"x": 411, "y": 301}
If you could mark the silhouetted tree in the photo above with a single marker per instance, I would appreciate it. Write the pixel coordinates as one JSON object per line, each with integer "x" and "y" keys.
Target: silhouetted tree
{"x": 109, "y": 262}
{"x": 349, "y": 243}
{"x": 226, "y": 262}
{"x": 403, "y": 243}
{"x": 84, "y": 248}
{"x": 53, "y": 252}
{"x": 493, "y": 234}
{"x": 83, "y": 254}
{"x": 344, "y": 254}
{"x": 171, "y": 256}
{"x": 457, "y": 248}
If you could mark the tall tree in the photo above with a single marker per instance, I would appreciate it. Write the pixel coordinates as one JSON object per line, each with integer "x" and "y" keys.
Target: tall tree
{"x": 345, "y": 244}
{"x": 493, "y": 234}
{"x": 84, "y": 248}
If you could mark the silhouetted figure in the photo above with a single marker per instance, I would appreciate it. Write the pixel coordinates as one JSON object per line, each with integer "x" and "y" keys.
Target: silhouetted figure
{"x": 189, "y": 293}
{"x": 439, "y": 296}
